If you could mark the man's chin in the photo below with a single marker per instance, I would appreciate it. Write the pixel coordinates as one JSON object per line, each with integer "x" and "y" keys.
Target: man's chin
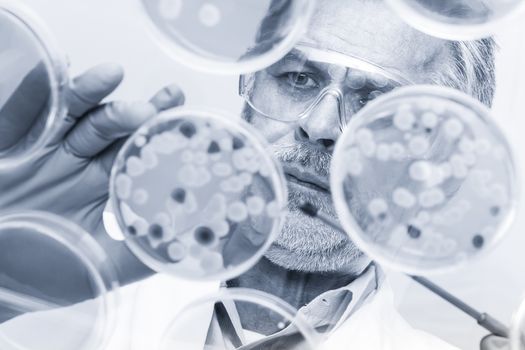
{"x": 308, "y": 245}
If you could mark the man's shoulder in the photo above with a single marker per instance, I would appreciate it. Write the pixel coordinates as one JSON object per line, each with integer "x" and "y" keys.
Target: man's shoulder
{"x": 378, "y": 325}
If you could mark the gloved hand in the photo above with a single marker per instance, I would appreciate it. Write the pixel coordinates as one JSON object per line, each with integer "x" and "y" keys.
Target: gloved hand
{"x": 494, "y": 342}
{"x": 71, "y": 177}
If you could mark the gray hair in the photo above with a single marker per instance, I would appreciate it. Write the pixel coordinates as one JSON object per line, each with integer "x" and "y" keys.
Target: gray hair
{"x": 474, "y": 69}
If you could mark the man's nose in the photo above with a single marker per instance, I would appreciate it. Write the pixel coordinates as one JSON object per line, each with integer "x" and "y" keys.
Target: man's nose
{"x": 322, "y": 126}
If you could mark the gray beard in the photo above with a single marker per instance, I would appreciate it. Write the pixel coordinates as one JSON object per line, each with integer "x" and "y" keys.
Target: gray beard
{"x": 306, "y": 244}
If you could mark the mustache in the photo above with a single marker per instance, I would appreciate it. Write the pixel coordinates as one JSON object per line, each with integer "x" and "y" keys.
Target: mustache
{"x": 308, "y": 157}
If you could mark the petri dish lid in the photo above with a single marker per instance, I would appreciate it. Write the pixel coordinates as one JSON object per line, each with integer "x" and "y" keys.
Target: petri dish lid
{"x": 215, "y": 321}
{"x": 517, "y": 332}
{"x": 61, "y": 309}
{"x": 457, "y": 19}
{"x": 449, "y": 192}
{"x": 227, "y": 36}
{"x": 32, "y": 85}
{"x": 197, "y": 194}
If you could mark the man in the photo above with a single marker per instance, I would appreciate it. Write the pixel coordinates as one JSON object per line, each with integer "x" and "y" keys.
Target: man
{"x": 311, "y": 266}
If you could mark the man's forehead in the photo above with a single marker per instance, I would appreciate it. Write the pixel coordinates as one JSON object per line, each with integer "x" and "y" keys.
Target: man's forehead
{"x": 370, "y": 30}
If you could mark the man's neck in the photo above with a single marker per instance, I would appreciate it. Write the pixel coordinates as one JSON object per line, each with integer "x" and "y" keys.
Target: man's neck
{"x": 295, "y": 287}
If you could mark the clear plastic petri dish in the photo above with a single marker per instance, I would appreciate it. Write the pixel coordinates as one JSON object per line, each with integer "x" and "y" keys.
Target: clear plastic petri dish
{"x": 219, "y": 322}
{"x": 423, "y": 180}
{"x": 197, "y": 195}
{"x": 517, "y": 332}
{"x": 60, "y": 308}
{"x": 457, "y": 19}
{"x": 227, "y": 36}
{"x": 32, "y": 85}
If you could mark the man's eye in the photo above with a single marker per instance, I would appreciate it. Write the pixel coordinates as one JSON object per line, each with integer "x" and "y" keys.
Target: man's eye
{"x": 301, "y": 80}
{"x": 369, "y": 97}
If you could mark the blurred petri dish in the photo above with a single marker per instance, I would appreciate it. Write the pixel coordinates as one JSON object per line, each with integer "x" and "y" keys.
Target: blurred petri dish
{"x": 227, "y": 36}
{"x": 61, "y": 310}
{"x": 423, "y": 180}
{"x": 214, "y": 322}
{"x": 197, "y": 195}
{"x": 32, "y": 85}
{"x": 457, "y": 19}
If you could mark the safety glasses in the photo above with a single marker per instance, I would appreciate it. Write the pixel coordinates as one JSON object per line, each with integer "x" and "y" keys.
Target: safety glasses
{"x": 290, "y": 89}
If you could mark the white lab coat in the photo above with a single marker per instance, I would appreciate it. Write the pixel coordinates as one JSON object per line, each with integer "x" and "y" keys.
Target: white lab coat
{"x": 147, "y": 308}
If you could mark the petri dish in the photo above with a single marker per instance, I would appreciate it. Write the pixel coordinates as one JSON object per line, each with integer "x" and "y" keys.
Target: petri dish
{"x": 32, "y": 86}
{"x": 227, "y": 36}
{"x": 457, "y": 19}
{"x": 197, "y": 195}
{"x": 61, "y": 308}
{"x": 517, "y": 333}
{"x": 216, "y": 322}
{"x": 423, "y": 180}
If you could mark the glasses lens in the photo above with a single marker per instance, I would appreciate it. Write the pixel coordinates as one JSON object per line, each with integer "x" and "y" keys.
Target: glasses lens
{"x": 361, "y": 88}
{"x": 291, "y": 88}
{"x": 285, "y": 90}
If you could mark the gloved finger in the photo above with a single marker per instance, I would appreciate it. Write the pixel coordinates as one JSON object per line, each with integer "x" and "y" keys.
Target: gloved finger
{"x": 169, "y": 97}
{"x": 494, "y": 342}
{"x": 86, "y": 92}
{"x": 24, "y": 106}
{"x": 107, "y": 158}
{"x": 105, "y": 125}
{"x": 90, "y": 88}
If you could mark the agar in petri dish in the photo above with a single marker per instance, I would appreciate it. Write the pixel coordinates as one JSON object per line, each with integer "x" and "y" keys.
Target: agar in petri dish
{"x": 227, "y": 36}
{"x": 457, "y": 19}
{"x": 34, "y": 298}
{"x": 517, "y": 333}
{"x": 423, "y": 180}
{"x": 217, "y": 322}
{"x": 197, "y": 195}
{"x": 31, "y": 89}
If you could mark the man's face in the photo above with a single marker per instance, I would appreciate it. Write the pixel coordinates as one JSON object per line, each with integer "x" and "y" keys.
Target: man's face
{"x": 362, "y": 28}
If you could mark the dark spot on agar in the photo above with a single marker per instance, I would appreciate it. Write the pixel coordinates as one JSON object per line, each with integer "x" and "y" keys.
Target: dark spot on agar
{"x": 413, "y": 231}
{"x": 428, "y": 130}
{"x": 214, "y": 147}
{"x": 156, "y": 231}
{"x": 415, "y": 125}
{"x": 132, "y": 230}
{"x": 188, "y": 129}
{"x": 237, "y": 143}
{"x": 382, "y": 217}
{"x": 178, "y": 195}
{"x": 495, "y": 210}
{"x": 204, "y": 235}
{"x": 478, "y": 241}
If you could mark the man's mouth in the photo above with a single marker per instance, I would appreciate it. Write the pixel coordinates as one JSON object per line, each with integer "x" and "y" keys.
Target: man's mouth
{"x": 306, "y": 179}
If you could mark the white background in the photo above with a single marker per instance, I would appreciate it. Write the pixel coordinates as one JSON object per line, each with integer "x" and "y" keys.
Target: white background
{"x": 95, "y": 31}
